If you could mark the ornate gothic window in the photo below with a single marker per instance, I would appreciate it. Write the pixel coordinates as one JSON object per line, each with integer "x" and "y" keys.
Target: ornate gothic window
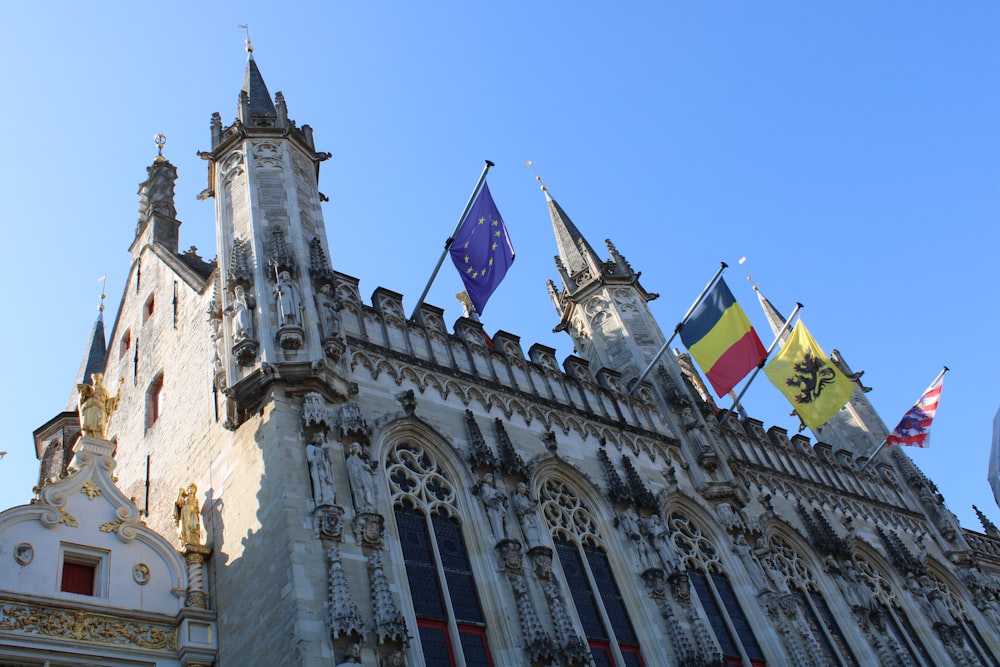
{"x": 960, "y": 617}
{"x": 715, "y": 592}
{"x": 450, "y": 621}
{"x": 596, "y": 596}
{"x": 897, "y": 625}
{"x": 817, "y": 614}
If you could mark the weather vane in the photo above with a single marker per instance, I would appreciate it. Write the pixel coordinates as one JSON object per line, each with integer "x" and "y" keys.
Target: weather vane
{"x": 249, "y": 45}
{"x": 104, "y": 281}
{"x": 160, "y": 140}
{"x": 538, "y": 178}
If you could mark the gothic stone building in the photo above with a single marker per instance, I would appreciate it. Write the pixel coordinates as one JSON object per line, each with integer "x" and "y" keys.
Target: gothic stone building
{"x": 386, "y": 491}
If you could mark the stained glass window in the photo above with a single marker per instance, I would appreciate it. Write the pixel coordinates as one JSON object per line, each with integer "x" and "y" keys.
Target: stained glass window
{"x": 714, "y": 591}
{"x": 596, "y": 597}
{"x": 450, "y": 620}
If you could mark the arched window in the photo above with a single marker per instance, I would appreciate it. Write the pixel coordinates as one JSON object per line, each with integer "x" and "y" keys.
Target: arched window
{"x": 830, "y": 640}
{"x": 596, "y": 596}
{"x": 450, "y": 620}
{"x": 960, "y": 619}
{"x": 897, "y": 624}
{"x": 715, "y": 592}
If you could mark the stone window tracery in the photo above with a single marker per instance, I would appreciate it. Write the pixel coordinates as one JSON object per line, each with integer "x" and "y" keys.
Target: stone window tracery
{"x": 596, "y": 596}
{"x": 811, "y": 602}
{"x": 970, "y": 633}
{"x": 897, "y": 624}
{"x": 715, "y": 592}
{"x": 442, "y": 588}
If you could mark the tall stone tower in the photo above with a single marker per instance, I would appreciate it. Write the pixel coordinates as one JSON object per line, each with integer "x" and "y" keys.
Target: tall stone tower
{"x": 263, "y": 174}
{"x": 215, "y": 359}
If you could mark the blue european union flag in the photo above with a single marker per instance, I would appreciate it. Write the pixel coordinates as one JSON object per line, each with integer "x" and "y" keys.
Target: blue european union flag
{"x": 482, "y": 251}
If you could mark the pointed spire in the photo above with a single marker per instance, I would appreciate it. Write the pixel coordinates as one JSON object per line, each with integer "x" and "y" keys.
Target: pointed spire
{"x": 988, "y": 525}
{"x": 575, "y": 254}
{"x": 774, "y": 318}
{"x": 256, "y": 107}
{"x": 93, "y": 358}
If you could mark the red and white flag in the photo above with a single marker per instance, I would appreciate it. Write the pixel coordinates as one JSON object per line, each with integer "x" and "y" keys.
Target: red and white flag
{"x": 915, "y": 426}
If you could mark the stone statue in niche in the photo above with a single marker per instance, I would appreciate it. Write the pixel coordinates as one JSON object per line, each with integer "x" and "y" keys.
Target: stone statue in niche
{"x": 396, "y": 659}
{"x": 286, "y": 296}
{"x": 241, "y": 311}
{"x": 219, "y": 348}
{"x": 933, "y": 600}
{"x": 328, "y": 307}
{"x": 694, "y": 428}
{"x": 858, "y": 596}
{"x": 750, "y": 564}
{"x": 187, "y": 515}
{"x": 495, "y": 501}
{"x": 318, "y": 453}
{"x": 765, "y": 556}
{"x": 632, "y": 526}
{"x": 728, "y": 518}
{"x": 360, "y": 470}
{"x": 525, "y": 508}
{"x": 352, "y": 656}
{"x": 97, "y": 405}
{"x": 657, "y": 535}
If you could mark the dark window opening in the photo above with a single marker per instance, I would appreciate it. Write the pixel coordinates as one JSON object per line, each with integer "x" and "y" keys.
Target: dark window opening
{"x": 78, "y": 577}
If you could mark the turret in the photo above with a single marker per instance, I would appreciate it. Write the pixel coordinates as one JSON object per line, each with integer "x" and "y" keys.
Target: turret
{"x": 601, "y": 304}
{"x": 157, "y": 214}
{"x": 274, "y": 306}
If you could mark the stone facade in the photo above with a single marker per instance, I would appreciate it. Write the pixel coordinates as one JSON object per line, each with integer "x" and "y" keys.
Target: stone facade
{"x": 386, "y": 490}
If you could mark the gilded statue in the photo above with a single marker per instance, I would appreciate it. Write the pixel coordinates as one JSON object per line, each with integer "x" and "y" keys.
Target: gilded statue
{"x": 187, "y": 515}
{"x": 97, "y": 406}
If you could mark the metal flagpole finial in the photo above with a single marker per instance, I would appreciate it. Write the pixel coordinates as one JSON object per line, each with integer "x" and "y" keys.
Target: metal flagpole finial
{"x": 248, "y": 43}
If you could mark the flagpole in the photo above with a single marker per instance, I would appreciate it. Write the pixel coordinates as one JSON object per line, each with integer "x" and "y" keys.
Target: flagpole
{"x": 886, "y": 439}
{"x": 656, "y": 357}
{"x": 447, "y": 243}
{"x": 784, "y": 328}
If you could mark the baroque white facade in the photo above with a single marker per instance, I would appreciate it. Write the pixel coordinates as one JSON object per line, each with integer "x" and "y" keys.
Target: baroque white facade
{"x": 385, "y": 491}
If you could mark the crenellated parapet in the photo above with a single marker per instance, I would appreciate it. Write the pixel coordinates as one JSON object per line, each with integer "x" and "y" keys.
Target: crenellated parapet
{"x": 496, "y": 374}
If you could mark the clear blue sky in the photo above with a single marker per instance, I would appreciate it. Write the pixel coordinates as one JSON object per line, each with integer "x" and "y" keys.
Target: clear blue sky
{"x": 850, "y": 151}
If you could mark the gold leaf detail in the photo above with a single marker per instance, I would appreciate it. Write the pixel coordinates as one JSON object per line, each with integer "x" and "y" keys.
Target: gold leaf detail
{"x": 111, "y": 526}
{"x": 91, "y": 489}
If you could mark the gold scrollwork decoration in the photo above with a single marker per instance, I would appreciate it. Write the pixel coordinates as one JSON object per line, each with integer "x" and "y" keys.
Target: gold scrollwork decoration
{"x": 86, "y": 627}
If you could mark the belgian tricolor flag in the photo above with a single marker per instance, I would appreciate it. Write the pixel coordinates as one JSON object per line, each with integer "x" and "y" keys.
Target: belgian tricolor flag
{"x": 720, "y": 338}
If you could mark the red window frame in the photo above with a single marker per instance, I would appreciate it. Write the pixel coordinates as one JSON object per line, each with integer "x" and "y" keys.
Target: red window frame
{"x": 604, "y": 646}
{"x": 463, "y": 629}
